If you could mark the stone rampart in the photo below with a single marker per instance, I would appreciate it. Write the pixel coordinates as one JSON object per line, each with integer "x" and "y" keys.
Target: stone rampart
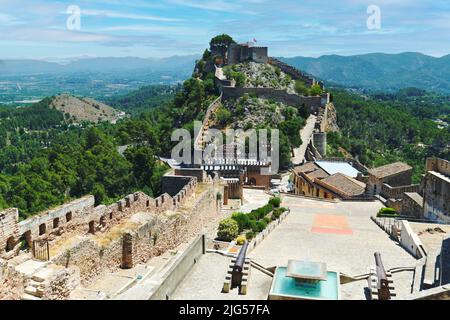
{"x": 81, "y": 216}
{"x": 146, "y": 235}
{"x": 389, "y": 192}
{"x": 294, "y": 73}
{"x": 313, "y": 104}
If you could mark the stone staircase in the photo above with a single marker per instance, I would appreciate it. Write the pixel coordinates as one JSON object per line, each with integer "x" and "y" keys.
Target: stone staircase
{"x": 37, "y": 275}
{"x": 39, "y": 282}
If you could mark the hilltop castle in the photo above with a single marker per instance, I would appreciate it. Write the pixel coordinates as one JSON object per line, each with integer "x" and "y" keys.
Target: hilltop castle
{"x": 237, "y": 53}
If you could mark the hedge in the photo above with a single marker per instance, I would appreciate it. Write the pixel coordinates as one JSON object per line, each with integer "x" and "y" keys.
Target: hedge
{"x": 228, "y": 230}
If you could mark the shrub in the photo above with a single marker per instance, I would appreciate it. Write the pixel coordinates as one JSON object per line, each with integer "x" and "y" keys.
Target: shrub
{"x": 228, "y": 230}
{"x": 316, "y": 90}
{"x": 250, "y": 235}
{"x": 266, "y": 220}
{"x": 261, "y": 225}
{"x": 254, "y": 226}
{"x": 242, "y": 220}
{"x": 223, "y": 115}
{"x": 387, "y": 212}
{"x": 240, "y": 240}
{"x": 301, "y": 88}
{"x": 276, "y": 214}
{"x": 275, "y": 202}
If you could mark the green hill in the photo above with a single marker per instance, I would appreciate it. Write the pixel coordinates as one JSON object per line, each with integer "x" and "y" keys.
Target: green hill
{"x": 379, "y": 71}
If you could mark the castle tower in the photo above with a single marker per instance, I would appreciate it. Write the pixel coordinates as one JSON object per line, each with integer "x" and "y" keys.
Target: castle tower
{"x": 320, "y": 142}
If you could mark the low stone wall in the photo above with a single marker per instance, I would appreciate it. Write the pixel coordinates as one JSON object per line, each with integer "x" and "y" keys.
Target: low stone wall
{"x": 388, "y": 191}
{"x": 62, "y": 284}
{"x": 410, "y": 241}
{"x": 439, "y": 293}
{"x": 11, "y": 283}
{"x": 81, "y": 216}
{"x": 148, "y": 235}
{"x": 313, "y": 104}
{"x": 179, "y": 269}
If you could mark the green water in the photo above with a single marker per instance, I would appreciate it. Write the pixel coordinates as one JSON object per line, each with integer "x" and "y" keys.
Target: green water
{"x": 327, "y": 290}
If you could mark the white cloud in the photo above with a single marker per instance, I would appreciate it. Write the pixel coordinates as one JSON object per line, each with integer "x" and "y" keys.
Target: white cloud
{"x": 8, "y": 20}
{"x": 121, "y": 15}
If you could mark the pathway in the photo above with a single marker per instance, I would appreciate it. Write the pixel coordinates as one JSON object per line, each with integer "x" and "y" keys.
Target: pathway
{"x": 306, "y": 134}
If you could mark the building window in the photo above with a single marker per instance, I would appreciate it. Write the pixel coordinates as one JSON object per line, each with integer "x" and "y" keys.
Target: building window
{"x": 55, "y": 223}
{"x": 68, "y": 216}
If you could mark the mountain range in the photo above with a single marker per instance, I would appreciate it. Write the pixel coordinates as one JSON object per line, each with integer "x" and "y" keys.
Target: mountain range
{"x": 379, "y": 71}
{"x": 102, "y": 77}
{"x": 104, "y": 65}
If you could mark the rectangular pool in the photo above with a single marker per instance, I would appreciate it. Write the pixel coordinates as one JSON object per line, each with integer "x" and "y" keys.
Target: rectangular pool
{"x": 287, "y": 288}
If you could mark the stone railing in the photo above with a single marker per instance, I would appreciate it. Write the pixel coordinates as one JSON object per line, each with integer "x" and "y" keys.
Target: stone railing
{"x": 397, "y": 192}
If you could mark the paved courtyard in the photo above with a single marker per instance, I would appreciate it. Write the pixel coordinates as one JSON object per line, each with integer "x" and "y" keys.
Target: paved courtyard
{"x": 340, "y": 234}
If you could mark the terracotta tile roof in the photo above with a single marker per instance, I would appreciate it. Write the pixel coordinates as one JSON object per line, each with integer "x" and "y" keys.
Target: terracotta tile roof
{"x": 389, "y": 170}
{"x": 312, "y": 170}
{"x": 345, "y": 185}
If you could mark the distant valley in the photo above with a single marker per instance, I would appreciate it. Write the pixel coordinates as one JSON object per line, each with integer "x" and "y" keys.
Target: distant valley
{"x": 24, "y": 81}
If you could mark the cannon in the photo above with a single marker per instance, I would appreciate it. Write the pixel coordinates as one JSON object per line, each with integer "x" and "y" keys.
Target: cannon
{"x": 383, "y": 282}
{"x": 237, "y": 272}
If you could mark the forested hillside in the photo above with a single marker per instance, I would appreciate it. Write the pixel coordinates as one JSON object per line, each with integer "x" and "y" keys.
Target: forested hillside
{"x": 144, "y": 99}
{"x": 42, "y": 169}
{"x": 379, "y": 71}
{"x": 45, "y": 161}
{"x": 381, "y": 132}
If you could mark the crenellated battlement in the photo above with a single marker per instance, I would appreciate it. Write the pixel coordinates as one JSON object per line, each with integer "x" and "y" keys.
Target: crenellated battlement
{"x": 82, "y": 216}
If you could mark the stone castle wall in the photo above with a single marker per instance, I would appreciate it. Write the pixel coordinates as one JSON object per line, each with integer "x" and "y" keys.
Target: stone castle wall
{"x": 156, "y": 234}
{"x": 390, "y": 192}
{"x": 9, "y": 230}
{"x": 294, "y": 73}
{"x": 81, "y": 216}
{"x": 313, "y": 104}
{"x": 11, "y": 283}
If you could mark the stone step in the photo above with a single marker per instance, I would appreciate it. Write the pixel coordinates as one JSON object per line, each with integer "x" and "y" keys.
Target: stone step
{"x": 36, "y": 284}
{"x": 27, "y": 296}
{"x": 34, "y": 291}
{"x": 43, "y": 274}
{"x": 37, "y": 292}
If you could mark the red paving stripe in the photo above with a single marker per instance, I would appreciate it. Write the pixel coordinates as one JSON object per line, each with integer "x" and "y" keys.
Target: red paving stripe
{"x": 334, "y": 231}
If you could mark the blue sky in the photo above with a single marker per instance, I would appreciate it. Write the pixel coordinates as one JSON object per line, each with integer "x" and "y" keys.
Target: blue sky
{"x": 158, "y": 28}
